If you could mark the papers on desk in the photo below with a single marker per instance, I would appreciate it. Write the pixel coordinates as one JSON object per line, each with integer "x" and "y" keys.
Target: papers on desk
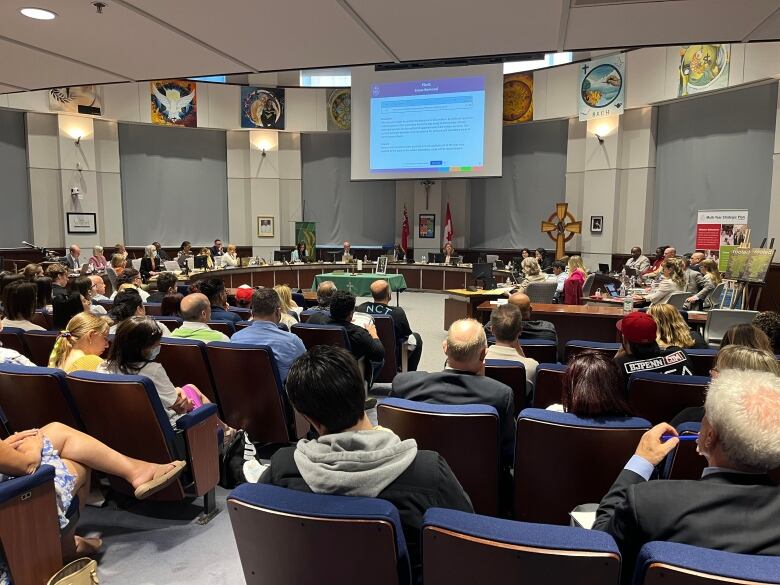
{"x": 499, "y": 302}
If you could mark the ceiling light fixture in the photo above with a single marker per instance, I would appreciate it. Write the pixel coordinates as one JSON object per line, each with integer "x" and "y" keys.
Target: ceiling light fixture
{"x": 38, "y": 13}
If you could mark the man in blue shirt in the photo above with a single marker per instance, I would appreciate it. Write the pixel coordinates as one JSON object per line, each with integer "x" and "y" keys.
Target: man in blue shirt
{"x": 266, "y": 314}
{"x": 214, "y": 289}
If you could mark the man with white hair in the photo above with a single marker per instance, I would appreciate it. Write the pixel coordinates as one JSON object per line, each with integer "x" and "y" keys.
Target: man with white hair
{"x": 99, "y": 288}
{"x": 734, "y": 506}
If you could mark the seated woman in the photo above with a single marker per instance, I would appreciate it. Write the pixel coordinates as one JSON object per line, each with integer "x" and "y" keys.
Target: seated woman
{"x": 128, "y": 303}
{"x": 121, "y": 250}
{"x": 80, "y": 345}
{"x": 150, "y": 263}
{"x": 746, "y": 335}
{"x": 290, "y": 309}
{"x": 532, "y": 273}
{"x": 205, "y": 252}
{"x": 19, "y": 304}
{"x": 712, "y": 278}
{"x": 230, "y": 258}
{"x": 541, "y": 257}
{"x": 673, "y": 330}
{"x": 185, "y": 251}
{"x": 299, "y": 254}
{"x": 98, "y": 260}
{"x": 574, "y": 283}
{"x": 448, "y": 252}
{"x": 673, "y": 281}
{"x": 32, "y": 271}
{"x": 171, "y": 305}
{"x": 65, "y": 307}
{"x": 118, "y": 263}
{"x": 592, "y": 388}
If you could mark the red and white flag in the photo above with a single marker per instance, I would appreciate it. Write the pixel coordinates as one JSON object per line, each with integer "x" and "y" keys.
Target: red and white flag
{"x": 448, "y": 231}
{"x": 405, "y": 231}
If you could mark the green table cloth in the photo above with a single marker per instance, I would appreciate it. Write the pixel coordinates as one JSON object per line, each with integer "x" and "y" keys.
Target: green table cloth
{"x": 359, "y": 284}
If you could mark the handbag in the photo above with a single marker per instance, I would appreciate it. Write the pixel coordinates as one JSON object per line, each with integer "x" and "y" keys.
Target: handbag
{"x": 79, "y": 572}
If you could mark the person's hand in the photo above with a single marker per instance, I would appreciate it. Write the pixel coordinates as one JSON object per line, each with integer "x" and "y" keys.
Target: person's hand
{"x": 14, "y": 440}
{"x": 692, "y": 299}
{"x": 652, "y": 448}
{"x": 183, "y": 405}
{"x": 371, "y": 328}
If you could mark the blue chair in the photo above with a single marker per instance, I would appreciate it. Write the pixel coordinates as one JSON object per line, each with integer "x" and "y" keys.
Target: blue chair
{"x": 684, "y": 462}
{"x": 659, "y": 397}
{"x": 702, "y": 359}
{"x": 548, "y": 386}
{"x": 13, "y": 338}
{"x": 463, "y": 549}
{"x": 282, "y": 537}
{"x": 29, "y": 527}
{"x": 672, "y": 563}
{"x": 542, "y": 350}
{"x": 511, "y": 374}
{"x": 562, "y": 460}
{"x": 313, "y": 335}
{"x": 142, "y": 430}
{"x": 576, "y": 346}
{"x": 226, "y": 327}
{"x": 467, "y": 436}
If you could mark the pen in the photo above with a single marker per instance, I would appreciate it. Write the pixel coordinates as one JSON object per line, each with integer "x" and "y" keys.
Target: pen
{"x": 665, "y": 438}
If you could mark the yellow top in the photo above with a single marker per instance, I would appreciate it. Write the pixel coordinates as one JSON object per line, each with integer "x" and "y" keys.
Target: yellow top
{"x": 89, "y": 363}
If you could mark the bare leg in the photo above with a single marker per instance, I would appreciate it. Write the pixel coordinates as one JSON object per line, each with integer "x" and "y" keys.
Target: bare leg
{"x": 88, "y": 451}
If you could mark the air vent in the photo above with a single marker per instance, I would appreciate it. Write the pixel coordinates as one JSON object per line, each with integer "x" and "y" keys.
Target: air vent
{"x": 459, "y": 61}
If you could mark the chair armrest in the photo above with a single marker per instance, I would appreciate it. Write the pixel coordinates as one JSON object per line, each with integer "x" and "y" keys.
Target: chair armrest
{"x": 404, "y": 357}
{"x": 196, "y": 416}
{"x": 200, "y": 436}
{"x": 15, "y": 487}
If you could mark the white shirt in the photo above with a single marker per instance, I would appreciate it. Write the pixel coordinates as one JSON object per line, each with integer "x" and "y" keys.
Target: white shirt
{"x": 22, "y": 324}
{"x": 11, "y": 356}
{"x": 165, "y": 331}
{"x": 162, "y": 383}
{"x": 228, "y": 260}
{"x": 144, "y": 295}
{"x": 500, "y": 352}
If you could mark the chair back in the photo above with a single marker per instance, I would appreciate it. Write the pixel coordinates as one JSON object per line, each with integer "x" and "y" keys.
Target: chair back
{"x": 153, "y": 309}
{"x": 576, "y": 346}
{"x": 125, "y": 413}
{"x": 460, "y": 548}
{"x": 541, "y": 292}
{"x": 587, "y": 286}
{"x": 542, "y": 350}
{"x": 714, "y": 297}
{"x": 13, "y": 338}
{"x": 562, "y": 460}
{"x": 672, "y": 563}
{"x": 719, "y": 320}
{"x": 548, "y": 387}
{"x": 185, "y": 362}
{"x": 659, "y": 397}
{"x": 678, "y": 299}
{"x": 510, "y": 374}
{"x": 281, "y": 533}
{"x": 684, "y": 462}
{"x": 299, "y": 299}
{"x": 40, "y": 344}
{"x": 242, "y": 312}
{"x": 34, "y": 397}
{"x": 243, "y": 325}
{"x": 702, "y": 360}
{"x": 112, "y": 278}
{"x": 249, "y": 391}
{"x": 467, "y": 436}
{"x": 313, "y": 335}
{"x": 43, "y": 319}
{"x": 226, "y": 327}
{"x": 170, "y": 322}
{"x": 385, "y": 329}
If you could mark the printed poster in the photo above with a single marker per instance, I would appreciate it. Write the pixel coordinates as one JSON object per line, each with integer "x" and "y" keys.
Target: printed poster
{"x": 518, "y": 97}
{"x": 601, "y": 87}
{"x": 174, "y": 103}
{"x": 81, "y": 99}
{"x": 262, "y": 107}
{"x": 703, "y": 68}
{"x": 340, "y": 109}
{"x": 306, "y": 232}
{"x": 718, "y": 231}
{"x": 749, "y": 264}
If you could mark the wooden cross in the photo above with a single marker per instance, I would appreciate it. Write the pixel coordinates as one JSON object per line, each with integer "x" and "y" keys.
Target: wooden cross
{"x": 560, "y": 222}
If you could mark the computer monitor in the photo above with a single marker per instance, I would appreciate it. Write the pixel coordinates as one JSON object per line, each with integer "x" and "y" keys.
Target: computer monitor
{"x": 603, "y": 268}
{"x": 630, "y": 271}
{"x": 201, "y": 262}
{"x": 434, "y": 258}
{"x": 483, "y": 272}
{"x": 282, "y": 255}
{"x": 455, "y": 260}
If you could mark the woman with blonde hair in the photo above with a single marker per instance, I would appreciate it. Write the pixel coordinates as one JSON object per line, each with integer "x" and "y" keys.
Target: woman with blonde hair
{"x": 98, "y": 260}
{"x": 80, "y": 344}
{"x": 209, "y": 261}
{"x": 118, "y": 263}
{"x": 231, "y": 257}
{"x": 576, "y": 265}
{"x": 574, "y": 283}
{"x": 672, "y": 282}
{"x": 289, "y": 306}
{"x": 532, "y": 273}
{"x": 712, "y": 278}
{"x": 673, "y": 330}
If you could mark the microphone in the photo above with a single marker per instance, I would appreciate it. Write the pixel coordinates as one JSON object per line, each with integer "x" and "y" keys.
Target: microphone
{"x": 33, "y": 246}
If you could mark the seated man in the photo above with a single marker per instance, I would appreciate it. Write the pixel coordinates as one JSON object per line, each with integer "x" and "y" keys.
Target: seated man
{"x": 696, "y": 259}
{"x": 73, "y": 258}
{"x": 694, "y": 280}
{"x": 734, "y": 506}
{"x": 59, "y": 279}
{"x": 380, "y": 291}
{"x": 638, "y": 261}
{"x": 346, "y": 253}
{"x": 166, "y": 285}
{"x": 662, "y": 253}
{"x": 363, "y": 342}
{"x": 264, "y": 330}
{"x": 321, "y": 313}
{"x": 559, "y": 271}
{"x": 214, "y": 289}
{"x": 532, "y": 328}
{"x": 506, "y": 322}
{"x": 353, "y": 458}
{"x": 131, "y": 278}
{"x": 463, "y": 381}
{"x": 196, "y": 312}
{"x": 640, "y": 351}
{"x": 98, "y": 288}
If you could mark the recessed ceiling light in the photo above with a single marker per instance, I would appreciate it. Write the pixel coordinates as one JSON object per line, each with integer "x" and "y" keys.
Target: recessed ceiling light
{"x": 38, "y": 13}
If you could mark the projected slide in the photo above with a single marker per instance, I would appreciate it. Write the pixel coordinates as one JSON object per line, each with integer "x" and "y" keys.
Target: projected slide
{"x": 428, "y": 125}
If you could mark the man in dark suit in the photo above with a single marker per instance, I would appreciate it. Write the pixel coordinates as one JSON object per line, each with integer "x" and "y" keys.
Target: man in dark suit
{"x": 735, "y": 505}
{"x": 217, "y": 249}
{"x": 463, "y": 381}
{"x": 73, "y": 258}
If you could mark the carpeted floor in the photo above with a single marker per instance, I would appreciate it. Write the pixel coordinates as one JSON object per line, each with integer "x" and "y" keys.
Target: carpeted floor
{"x": 162, "y": 544}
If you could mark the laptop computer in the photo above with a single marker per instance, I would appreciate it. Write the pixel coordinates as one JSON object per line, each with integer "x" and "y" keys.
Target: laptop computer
{"x": 612, "y": 290}
{"x": 604, "y": 268}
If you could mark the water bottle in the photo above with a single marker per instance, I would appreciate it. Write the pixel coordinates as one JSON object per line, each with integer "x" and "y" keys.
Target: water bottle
{"x": 628, "y": 304}
{"x": 622, "y": 289}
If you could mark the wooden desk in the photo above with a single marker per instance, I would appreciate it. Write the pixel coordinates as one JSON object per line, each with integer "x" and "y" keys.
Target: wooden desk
{"x": 461, "y": 303}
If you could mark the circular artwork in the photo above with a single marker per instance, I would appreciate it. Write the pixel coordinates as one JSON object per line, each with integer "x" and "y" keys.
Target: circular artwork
{"x": 262, "y": 107}
{"x": 340, "y": 108}
{"x": 601, "y": 86}
{"x": 517, "y": 100}
{"x": 702, "y": 65}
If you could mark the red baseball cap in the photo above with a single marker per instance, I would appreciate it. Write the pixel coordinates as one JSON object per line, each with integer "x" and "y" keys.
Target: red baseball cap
{"x": 638, "y": 327}
{"x": 244, "y": 293}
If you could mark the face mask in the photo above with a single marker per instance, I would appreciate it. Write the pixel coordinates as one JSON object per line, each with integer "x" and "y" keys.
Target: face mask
{"x": 153, "y": 353}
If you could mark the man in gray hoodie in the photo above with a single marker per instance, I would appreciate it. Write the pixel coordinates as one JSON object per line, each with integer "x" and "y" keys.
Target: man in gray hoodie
{"x": 351, "y": 457}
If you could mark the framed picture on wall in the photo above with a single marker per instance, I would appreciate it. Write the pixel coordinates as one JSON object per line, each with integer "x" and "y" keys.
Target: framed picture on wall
{"x": 82, "y": 223}
{"x": 596, "y": 224}
{"x": 427, "y": 225}
{"x": 265, "y": 226}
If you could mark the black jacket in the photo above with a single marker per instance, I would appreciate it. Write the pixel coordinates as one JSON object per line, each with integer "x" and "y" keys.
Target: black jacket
{"x": 149, "y": 265}
{"x": 427, "y": 483}
{"x": 397, "y": 314}
{"x": 360, "y": 340}
{"x": 733, "y": 512}
{"x": 456, "y": 387}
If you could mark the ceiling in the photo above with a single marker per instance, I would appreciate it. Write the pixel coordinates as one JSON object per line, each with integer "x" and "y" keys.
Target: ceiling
{"x": 135, "y": 40}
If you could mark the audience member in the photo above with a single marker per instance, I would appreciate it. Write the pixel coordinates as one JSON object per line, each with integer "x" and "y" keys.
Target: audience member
{"x": 151, "y": 265}
{"x": 44, "y": 297}
{"x": 196, "y": 312}
{"x": 64, "y": 308}
{"x": 382, "y": 295}
{"x": 73, "y": 258}
{"x": 80, "y": 344}
{"x": 85, "y": 287}
{"x": 118, "y": 263}
{"x": 289, "y": 314}
{"x": 98, "y": 260}
{"x": 131, "y": 279}
{"x": 214, "y": 289}
{"x": 531, "y": 273}
{"x": 769, "y": 323}
{"x": 640, "y": 352}
{"x": 19, "y": 304}
{"x": 230, "y": 258}
{"x": 32, "y": 271}
{"x": 559, "y": 271}
{"x": 171, "y": 305}
{"x": 120, "y": 249}
{"x": 593, "y": 388}
{"x": 673, "y": 281}
{"x": 244, "y": 296}
{"x": 364, "y": 342}
{"x": 747, "y": 335}
{"x": 128, "y": 304}
{"x": 351, "y": 457}
{"x": 673, "y": 330}
{"x": 637, "y": 261}
{"x": 166, "y": 284}
{"x": 11, "y": 356}
{"x": 532, "y": 328}
{"x": 735, "y": 505}
{"x": 463, "y": 380}
{"x": 217, "y": 249}
{"x": 506, "y": 324}
{"x": 161, "y": 253}
{"x": 266, "y": 314}
{"x": 325, "y": 292}
{"x": 59, "y": 280}
{"x": 299, "y": 254}
{"x": 98, "y": 288}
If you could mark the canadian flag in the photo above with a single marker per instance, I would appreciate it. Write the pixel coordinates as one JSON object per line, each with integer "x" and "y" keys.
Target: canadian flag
{"x": 448, "y": 231}
{"x": 405, "y": 231}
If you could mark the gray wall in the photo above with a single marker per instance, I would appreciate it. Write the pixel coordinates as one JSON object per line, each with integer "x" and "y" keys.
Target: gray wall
{"x": 174, "y": 185}
{"x": 16, "y": 221}
{"x": 714, "y": 152}
{"x": 361, "y": 212}
{"x": 506, "y": 211}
